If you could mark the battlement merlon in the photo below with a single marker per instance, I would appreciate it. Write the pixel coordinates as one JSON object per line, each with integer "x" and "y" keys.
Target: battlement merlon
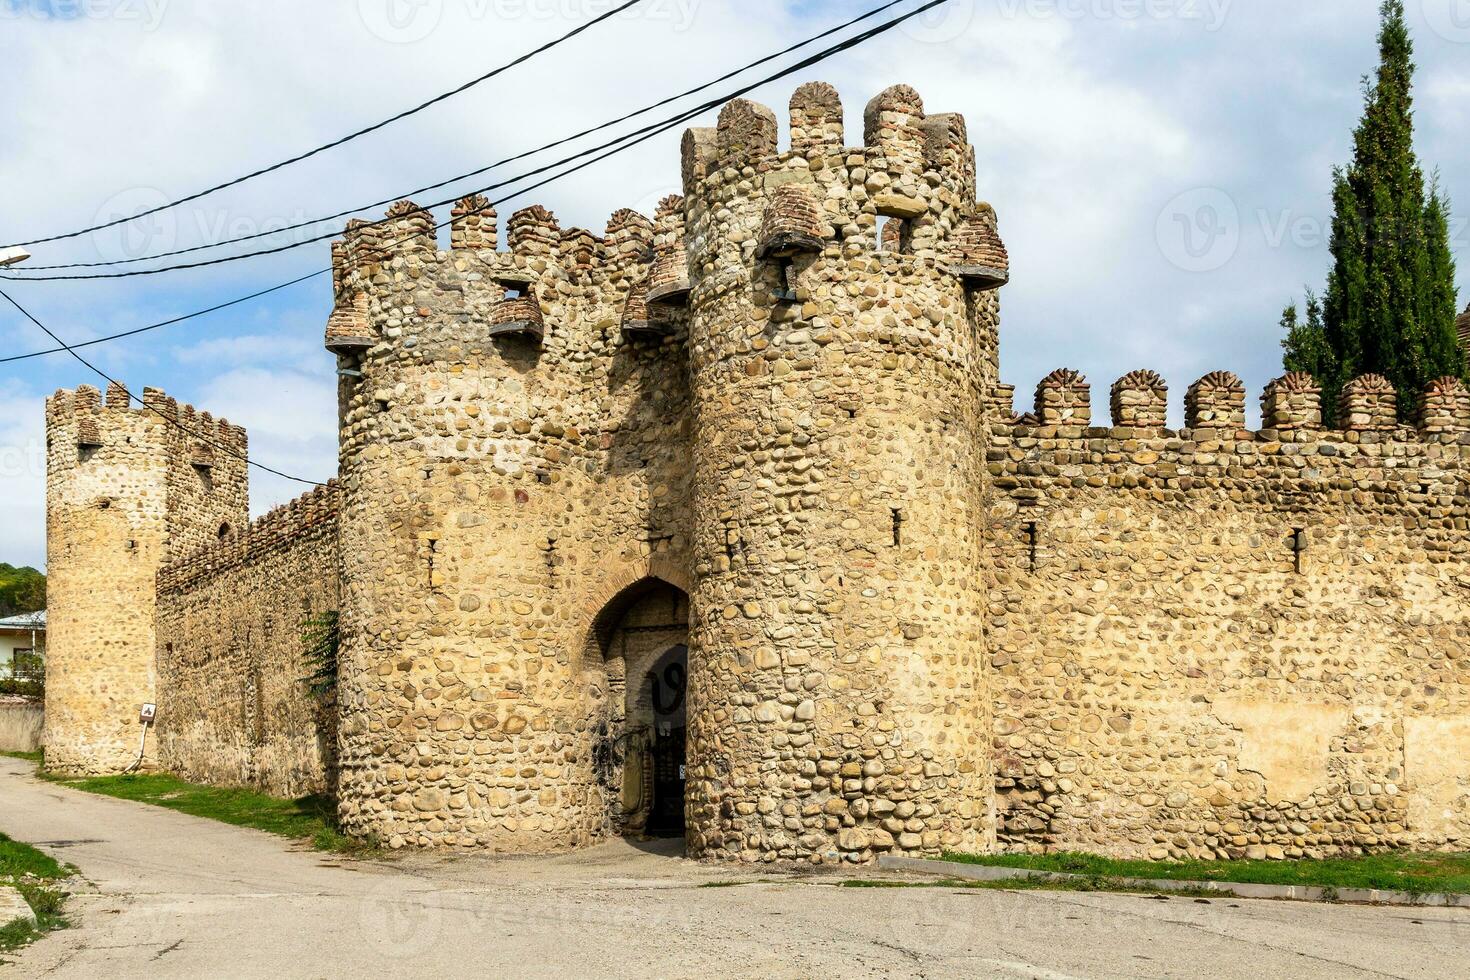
{"x": 914, "y": 167}
{"x": 379, "y": 266}
{"x": 280, "y": 527}
{"x": 1214, "y": 409}
{"x": 87, "y": 403}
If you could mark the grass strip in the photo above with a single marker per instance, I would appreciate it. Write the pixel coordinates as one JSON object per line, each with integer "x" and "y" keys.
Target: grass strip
{"x": 1415, "y": 873}
{"x": 32, "y": 873}
{"x": 306, "y": 818}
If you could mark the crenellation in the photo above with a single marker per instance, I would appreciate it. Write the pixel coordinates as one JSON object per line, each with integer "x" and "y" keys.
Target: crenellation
{"x": 816, "y": 120}
{"x": 1000, "y": 404}
{"x": 533, "y": 233}
{"x": 947, "y": 142}
{"x": 472, "y": 224}
{"x": 1215, "y": 402}
{"x": 276, "y": 529}
{"x": 580, "y": 252}
{"x": 407, "y": 231}
{"x": 87, "y": 399}
{"x": 1368, "y": 404}
{"x": 745, "y": 135}
{"x": 698, "y": 150}
{"x": 1445, "y": 411}
{"x": 893, "y": 127}
{"x": 1140, "y": 400}
{"x": 628, "y": 238}
{"x": 1064, "y": 398}
{"x": 1292, "y": 402}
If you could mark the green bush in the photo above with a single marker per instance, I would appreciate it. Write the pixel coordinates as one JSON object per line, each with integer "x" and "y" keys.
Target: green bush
{"x": 26, "y": 689}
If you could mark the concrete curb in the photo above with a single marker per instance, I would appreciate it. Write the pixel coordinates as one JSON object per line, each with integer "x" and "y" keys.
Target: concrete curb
{"x": 13, "y": 907}
{"x": 1299, "y": 893}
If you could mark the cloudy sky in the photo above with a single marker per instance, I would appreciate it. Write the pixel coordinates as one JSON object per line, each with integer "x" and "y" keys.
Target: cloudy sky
{"x": 1160, "y": 167}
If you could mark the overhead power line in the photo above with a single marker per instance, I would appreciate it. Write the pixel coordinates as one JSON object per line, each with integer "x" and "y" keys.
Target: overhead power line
{"x": 167, "y": 323}
{"x": 480, "y": 170}
{"x": 163, "y": 415}
{"x": 350, "y": 136}
{"x": 799, "y": 66}
{"x": 627, "y": 141}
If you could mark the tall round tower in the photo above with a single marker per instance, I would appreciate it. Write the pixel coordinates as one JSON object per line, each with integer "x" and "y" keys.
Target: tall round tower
{"x": 841, "y": 341}
{"x": 468, "y": 449}
{"x": 127, "y": 491}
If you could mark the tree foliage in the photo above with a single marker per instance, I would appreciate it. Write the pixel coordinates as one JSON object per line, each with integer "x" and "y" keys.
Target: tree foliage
{"x": 22, "y": 590}
{"x": 1390, "y": 303}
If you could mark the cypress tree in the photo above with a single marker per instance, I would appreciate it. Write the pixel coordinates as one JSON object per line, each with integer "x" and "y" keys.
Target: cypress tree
{"x": 1389, "y": 307}
{"x": 1305, "y": 341}
{"x": 1440, "y": 304}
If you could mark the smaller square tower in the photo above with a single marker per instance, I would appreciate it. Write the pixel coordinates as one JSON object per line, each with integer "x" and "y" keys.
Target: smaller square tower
{"x": 128, "y": 489}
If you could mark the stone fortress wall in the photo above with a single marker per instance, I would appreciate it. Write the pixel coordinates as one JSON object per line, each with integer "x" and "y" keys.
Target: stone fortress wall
{"x": 768, "y": 424}
{"x": 1219, "y": 641}
{"x": 235, "y": 625}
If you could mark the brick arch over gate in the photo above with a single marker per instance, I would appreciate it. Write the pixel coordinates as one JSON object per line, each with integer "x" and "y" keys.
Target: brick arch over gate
{"x": 614, "y": 585}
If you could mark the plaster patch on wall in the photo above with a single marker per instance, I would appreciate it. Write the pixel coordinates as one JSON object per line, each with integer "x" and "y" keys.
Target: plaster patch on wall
{"x": 1437, "y": 762}
{"x": 1285, "y": 744}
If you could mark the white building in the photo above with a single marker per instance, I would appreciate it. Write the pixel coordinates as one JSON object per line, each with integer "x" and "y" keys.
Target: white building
{"x": 22, "y": 646}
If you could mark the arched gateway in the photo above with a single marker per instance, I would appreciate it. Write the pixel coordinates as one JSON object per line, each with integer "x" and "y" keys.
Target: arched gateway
{"x": 643, "y": 635}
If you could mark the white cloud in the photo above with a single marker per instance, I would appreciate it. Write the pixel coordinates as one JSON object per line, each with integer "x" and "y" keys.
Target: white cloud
{"x": 1085, "y": 126}
{"x": 23, "y": 477}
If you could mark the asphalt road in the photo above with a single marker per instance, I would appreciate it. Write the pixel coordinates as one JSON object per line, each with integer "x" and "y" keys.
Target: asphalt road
{"x": 168, "y": 895}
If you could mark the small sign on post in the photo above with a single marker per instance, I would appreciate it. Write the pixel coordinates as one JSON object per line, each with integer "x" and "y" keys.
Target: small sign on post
{"x": 149, "y": 712}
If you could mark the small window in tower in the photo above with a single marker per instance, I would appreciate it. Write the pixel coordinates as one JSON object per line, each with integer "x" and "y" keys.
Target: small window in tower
{"x": 894, "y": 234}
{"x": 349, "y": 366}
{"x": 225, "y": 531}
{"x": 206, "y": 476}
{"x": 785, "y": 291}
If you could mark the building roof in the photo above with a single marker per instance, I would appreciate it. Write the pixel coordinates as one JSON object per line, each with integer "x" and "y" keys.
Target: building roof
{"x": 1462, "y": 326}
{"x": 25, "y": 621}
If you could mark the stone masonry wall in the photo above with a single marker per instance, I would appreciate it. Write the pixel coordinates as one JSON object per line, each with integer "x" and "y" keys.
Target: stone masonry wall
{"x": 1219, "y": 642}
{"x": 837, "y": 708}
{"x": 234, "y": 708}
{"x": 126, "y": 490}
{"x": 499, "y": 490}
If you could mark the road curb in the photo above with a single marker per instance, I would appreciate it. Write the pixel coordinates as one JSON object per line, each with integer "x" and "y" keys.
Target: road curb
{"x": 13, "y": 907}
{"x": 1299, "y": 893}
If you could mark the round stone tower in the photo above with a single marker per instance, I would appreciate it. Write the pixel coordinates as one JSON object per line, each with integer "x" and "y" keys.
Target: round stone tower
{"x": 126, "y": 492}
{"x": 467, "y": 451}
{"x": 840, "y": 347}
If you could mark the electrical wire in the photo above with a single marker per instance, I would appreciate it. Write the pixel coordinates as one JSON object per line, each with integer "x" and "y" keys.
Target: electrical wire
{"x": 644, "y": 134}
{"x": 165, "y": 323}
{"x": 814, "y": 59}
{"x": 133, "y": 398}
{"x": 475, "y": 173}
{"x": 350, "y": 136}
